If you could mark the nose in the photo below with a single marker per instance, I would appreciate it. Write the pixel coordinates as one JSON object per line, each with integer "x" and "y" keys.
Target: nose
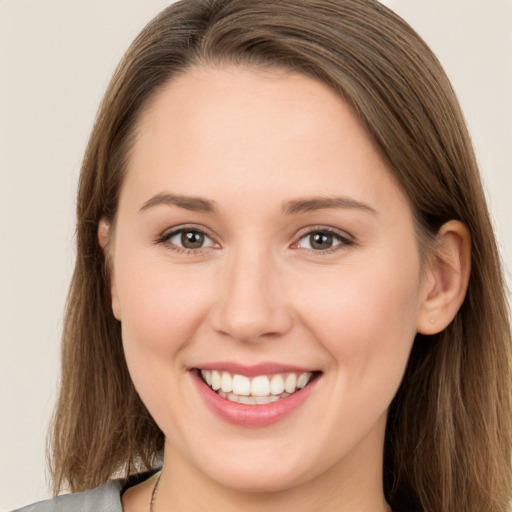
{"x": 251, "y": 304}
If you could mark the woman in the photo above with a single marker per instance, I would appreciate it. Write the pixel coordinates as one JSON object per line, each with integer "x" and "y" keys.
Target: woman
{"x": 287, "y": 285}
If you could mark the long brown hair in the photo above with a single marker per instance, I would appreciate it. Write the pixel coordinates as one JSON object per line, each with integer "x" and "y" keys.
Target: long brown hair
{"x": 448, "y": 440}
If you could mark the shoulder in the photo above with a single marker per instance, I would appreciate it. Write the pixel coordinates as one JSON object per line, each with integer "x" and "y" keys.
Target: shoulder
{"x": 106, "y": 498}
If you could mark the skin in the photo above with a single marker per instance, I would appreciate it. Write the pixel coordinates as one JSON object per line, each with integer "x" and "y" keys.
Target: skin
{"x": 249, "y": 142}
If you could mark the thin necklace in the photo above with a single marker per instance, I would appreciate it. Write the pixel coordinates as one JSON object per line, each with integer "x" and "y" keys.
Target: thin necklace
{"x": 153, "y": 494}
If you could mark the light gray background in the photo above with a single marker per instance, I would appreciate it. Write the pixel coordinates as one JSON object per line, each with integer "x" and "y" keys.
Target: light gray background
{"x": 56, "y": 58}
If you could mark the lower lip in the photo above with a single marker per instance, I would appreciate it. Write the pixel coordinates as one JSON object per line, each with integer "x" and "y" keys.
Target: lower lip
{"x": 260, "y": 415}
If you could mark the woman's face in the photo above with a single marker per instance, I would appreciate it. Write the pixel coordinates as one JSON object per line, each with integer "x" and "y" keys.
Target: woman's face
{"x": 261, "y": 243}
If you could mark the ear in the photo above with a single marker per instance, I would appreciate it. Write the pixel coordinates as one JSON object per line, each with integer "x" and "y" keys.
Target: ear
{"x": 104, "y": 234}
{"x": 446, "y": 282}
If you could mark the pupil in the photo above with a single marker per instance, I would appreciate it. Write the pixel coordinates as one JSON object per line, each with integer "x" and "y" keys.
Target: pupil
{"x": 192, "y": 239}
{"x": 320, "y": 241}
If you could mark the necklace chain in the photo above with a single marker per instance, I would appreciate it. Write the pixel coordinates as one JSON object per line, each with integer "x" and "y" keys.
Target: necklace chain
{"x": 153, "y": 494}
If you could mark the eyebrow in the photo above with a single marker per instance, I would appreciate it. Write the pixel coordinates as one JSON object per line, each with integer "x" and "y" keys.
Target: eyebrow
{"x": 293, "y": 207}
{"x": 319, "y": 203}
{"x": 194, "y": 204}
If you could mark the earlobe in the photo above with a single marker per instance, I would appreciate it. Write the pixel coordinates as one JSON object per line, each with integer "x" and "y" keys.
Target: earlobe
{"x": 104, "y": 235}
{"x": 447, "y": 278}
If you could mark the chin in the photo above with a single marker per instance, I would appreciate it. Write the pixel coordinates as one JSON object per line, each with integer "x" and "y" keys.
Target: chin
{"x": 259, "y": 480}
{"x": 259, "y": 471}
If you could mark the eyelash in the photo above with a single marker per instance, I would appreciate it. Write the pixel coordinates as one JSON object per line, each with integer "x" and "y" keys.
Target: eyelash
{"x": 165, "y": 238}
{"x": 343, "y": 239}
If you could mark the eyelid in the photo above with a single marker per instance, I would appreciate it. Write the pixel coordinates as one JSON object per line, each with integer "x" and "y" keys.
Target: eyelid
{"x": 165, "y": 236}
{"x": 346, "y": 238}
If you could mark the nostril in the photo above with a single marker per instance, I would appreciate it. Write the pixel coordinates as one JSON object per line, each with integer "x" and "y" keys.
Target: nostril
{"x": 251, "y": 325}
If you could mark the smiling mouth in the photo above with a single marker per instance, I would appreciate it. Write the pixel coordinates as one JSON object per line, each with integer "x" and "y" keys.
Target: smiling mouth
{"x": 257, "y": 390}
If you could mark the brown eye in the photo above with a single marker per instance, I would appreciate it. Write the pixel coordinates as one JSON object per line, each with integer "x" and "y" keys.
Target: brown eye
{"x": 192, "y": 239}
{"x": 188, "y": 239}
{"x": 321, "y": 240}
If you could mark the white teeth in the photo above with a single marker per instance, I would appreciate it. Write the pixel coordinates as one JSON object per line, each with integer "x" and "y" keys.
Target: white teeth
{"x": 303, "y": 379}
{"x": 216, "y": 380}
{"x": 241, "y": 385}
{"x": 226, "y": 382}
{"x": 277, "y": 384}
{"x": 261, "y": 389}
{"x": 261, "y": 400}
{"x": 207, "y": 374}
{"x": 290, "y": 385}
{"x": 260, "y": 386}
{"x": 251, "y": 400}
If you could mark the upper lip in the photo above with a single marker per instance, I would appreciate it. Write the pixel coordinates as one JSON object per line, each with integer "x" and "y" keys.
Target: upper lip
{"x": 252, "y": 370}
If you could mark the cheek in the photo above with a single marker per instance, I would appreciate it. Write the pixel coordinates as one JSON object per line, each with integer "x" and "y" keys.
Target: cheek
{"x": 160, "y": 307}
{"x": 365, "y": 317}
{"x": 161, "y": 310}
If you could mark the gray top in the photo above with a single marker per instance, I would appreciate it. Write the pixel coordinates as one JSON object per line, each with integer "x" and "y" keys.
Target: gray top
{"x": 106, "y": 498}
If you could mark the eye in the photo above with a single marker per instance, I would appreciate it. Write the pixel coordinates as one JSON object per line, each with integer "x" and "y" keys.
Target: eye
{"x": 187, "y": 239}
{"x": 322, "y": 240}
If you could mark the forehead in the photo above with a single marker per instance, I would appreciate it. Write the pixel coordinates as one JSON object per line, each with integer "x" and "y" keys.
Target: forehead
{"x": 233, "y": 102}
{"x": 277, "y": 133}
